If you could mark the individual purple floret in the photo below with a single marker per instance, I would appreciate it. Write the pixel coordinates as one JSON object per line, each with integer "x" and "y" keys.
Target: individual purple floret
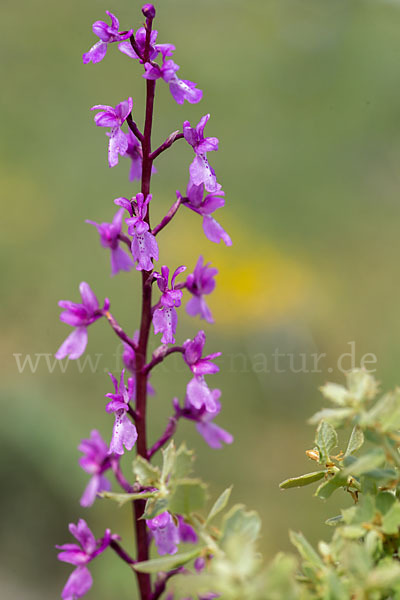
{"x": 124, "y": 431}
{"x": 203, "y": 417}
{"x": 193, "y": 356}
{"x": 181, "y": 89}
{"x": 199, "y": 283}
{"x": 200, "y": 169}
{"x": 79, "y": 316}
{"x": 95, "y": 461}
{"x": 167, "y": 534}
{"x": 197, "y": 390}
{"x": 205, "y": 207}
{"x": 165, "y": 318}
{"x": 107, "y": 34}
{"x": 144, "y": 245}
{"x": 134, "y": 152}
{"x": 114, "y": 118}
{"x": 80, "y": 581}
{"x": 109, "y": 238}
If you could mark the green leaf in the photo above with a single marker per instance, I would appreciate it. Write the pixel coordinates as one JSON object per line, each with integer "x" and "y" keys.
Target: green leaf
{"x": 154, "y": 507}
{"x": 361, "y": 384}
{"x": 363, "y": 512}
{"x": 188, "y": 496}
{"x": 169, "y": 455}
{"x": 147, "y": 474}
{"x": 220, "y": 504}
{"x": 391, "y": 520}
{"x": 352, "y": 532}
{"x": 302, "y": 480}
{"x": 384, "y": 501}
{"x": 335, "y": 416}
{"x": 326, "y": 440}
{"x": 385, "y": 577}
{"x": 305, "y": 549}
{"x": 124, "y": 498}
{"x": 326, "y": 489}
{"x": 367, "y": 462}
{"x": 336, "y": 393}
{"x": 183, "y": 462}
{"x": 166, "y": 563}
{"x": 239, "y": 522}
{"x": 356, "y": 441}
{"x": 334, "y": 521}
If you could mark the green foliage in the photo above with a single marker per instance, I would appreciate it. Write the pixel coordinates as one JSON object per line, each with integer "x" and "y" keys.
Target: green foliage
{"x": 360, "y": 562}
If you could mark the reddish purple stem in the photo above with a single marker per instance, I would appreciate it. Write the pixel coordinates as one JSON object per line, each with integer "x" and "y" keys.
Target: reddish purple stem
{"x": 118, "y": 329}
{"x": 160, "y": 354}
{"x": 121, "y": 552}
{"x": 166, "y": 436}
{"x": 142, "y": 538}
{"x": 134, "y": 128}
{"x": 126, "y": 486}
{"x": 168, "y": 217}
{"x": 167, "y": 144}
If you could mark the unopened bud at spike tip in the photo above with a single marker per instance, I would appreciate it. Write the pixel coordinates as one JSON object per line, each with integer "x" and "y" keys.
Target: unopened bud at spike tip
{"x": 149, "y": 11}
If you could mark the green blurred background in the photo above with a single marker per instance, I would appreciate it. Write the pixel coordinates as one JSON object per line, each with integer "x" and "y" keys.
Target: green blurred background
{"x": 305, "y": 98}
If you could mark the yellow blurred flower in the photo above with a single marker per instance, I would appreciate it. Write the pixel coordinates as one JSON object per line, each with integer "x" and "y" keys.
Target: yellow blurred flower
{"x": 257, "y": 283}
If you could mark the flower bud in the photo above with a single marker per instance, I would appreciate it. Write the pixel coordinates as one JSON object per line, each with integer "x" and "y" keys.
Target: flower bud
{"x": 149, "y": 11}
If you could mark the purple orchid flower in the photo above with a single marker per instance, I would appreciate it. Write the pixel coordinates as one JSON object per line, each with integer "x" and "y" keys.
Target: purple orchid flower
{"x": 109, "y": 238}
{"x": 107, "y": 34}
{"x": 200, "y": 169}
{"x": 205, "y": 207}
{"x": 213, "y": 435}
{"x": 144, "y": 245}
{"x": 199, "y": 283}
{"x": 197, "y": 390}
{"x": 181, "y": 89}
{"x": 79, "y": 316}
{"x": 95, "y": 461}
{"x": 124, "y": 431}
{"x": 80, "y": 581}
{"x": 165, "y": 318}
{"x": 114, "y": 118}
{"x": 134, "y": 152}
{"x": 193, "y": 356}
{"x": 168, "y": 534}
